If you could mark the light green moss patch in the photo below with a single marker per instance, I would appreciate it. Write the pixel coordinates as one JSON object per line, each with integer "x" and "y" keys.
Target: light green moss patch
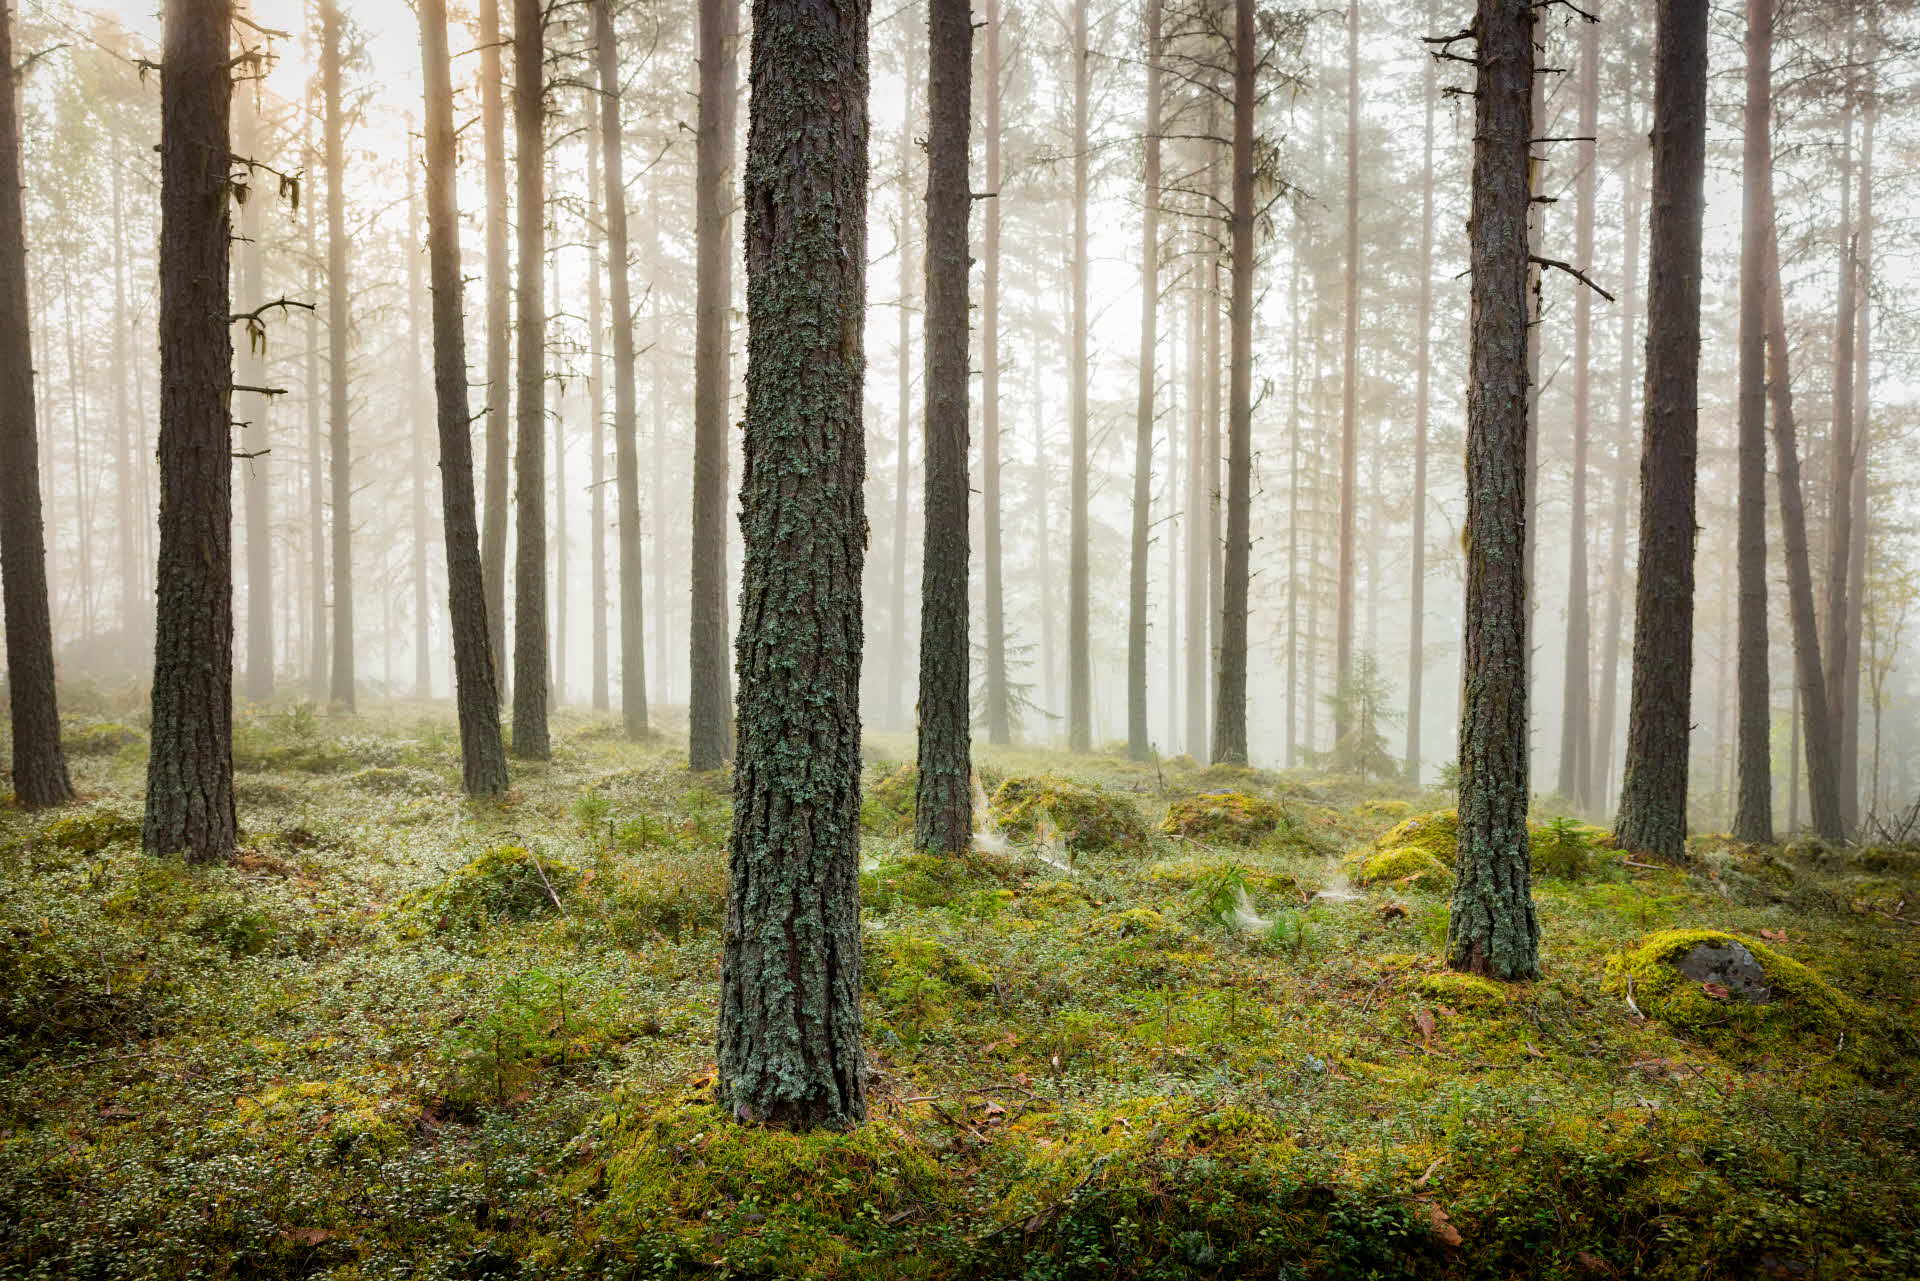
{"x": 1223, "y": 818}
{"x": 1090, "y": 820}
{"x": 1461, "y": 991}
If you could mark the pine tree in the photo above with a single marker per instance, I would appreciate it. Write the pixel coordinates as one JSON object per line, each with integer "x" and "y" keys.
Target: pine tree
{"x": 493, "y": 532}
{"x": 341, "y": 681}
{"x": 530, "y": 737}
{"x": 1138, "y": 746}
{"x": 1230, "y": 682}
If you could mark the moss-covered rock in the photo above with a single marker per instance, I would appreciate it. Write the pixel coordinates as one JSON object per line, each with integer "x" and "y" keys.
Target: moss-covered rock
{"x": 1223, "y": 818}
{"x": 1090, "y": 820}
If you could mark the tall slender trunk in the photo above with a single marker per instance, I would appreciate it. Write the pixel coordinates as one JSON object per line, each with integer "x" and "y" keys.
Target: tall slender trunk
{"x": 557, "y": 664}
{"x": 1139, "y": 747}
{"x": 1079, "y": 657}
{"x": 626, "y": 461}
{"x": 1043, "y": 547}
{"x": 1576, "y": 725}
{"x": 1840, "y": 513}
{"x": 1422, "y": 406}
{"x": 1653, "y": 793}
{"x": 251, "y": 371}
{"x": 39, "y": 764}
{"x": 128, "y": 434}
{"x": 1493, "y": 929}
{"x": 190, "y": 767}
{"x": 999, "y": 699}
{"x": 709, "y": 720}
{"x": 1294, "y": 456}
{"x": 416, "y": 306}
{"x": 1862, "y": 527}
{"x": 493, "y": 534}
{"x": 1230, "y": 692}
{"x": 1753, "y": 812}
{"x": 657, "y": 402}
{"x": 530, "y": 739}
{"x": 1349, "y": 390}
{"x": 340, "y": 685}
{"x": 1199, "y": 520}
{"x": 483, "y": 761}
{"x": 896, "y": 705}
{"x": 1604, "y": 734}
{"x": 943, "y": 822}
{"x": 599, "y": 692}
{"x": 319, "y": 663}
{"x": 789, "y": 1040}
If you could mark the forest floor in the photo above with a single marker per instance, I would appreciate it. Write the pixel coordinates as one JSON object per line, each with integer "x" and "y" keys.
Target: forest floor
{"x": 1168, "y": 1022}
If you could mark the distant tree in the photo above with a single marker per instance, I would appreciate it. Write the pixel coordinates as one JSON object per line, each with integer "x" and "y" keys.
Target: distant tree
{"x": 1079, "y": 646}
{"x": 493, "y": 534}
{"x": 998, "y": 695}
{"x": 1138, "y": 746}
{"x": 1350, "y": 377}
{"x": 417, "y": 437}
{"x": 1422, "y": 412}
{"x": 789, "y": 1036}
{"x": 1361, "y": 703}
{"x": 1230, "y": 683}
{"x": 1653, "y": 797}
{"x": 483, "y": 758}
{"x": 1493, "y": 930}
{"x": 709, "y": 726}
{"x": 39, "y": 765}
{"x": 339, "y": 442}
{"x": 251, "y": 372}
{"x": 190, "y": 764}
{"x": 530, "y": 739}
{"x": 943, "y": 822}
{"x": 1843, "y": 460}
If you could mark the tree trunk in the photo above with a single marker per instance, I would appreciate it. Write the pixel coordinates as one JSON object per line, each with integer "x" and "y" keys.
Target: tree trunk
{"x": 894, "y": 712}
{"x": 626, "y": 460}
{"x": 251, "y": 371}
{"x": 1199, "y": 521}
{"x": 530, "y": 741}
{"x": 1753, "y": 811}
{"x": 556, "y": 411}
{"x": 493, "y": 535}
{"x": 129, "y": 432}
{"x": 1653, "y": 794}
{"x": 789, "y": 1042}
{"x": 1604, "y": 732}
{"x": 999, "y": 698}
{"x": 1862, "y": 515}
{"x": 190, "y": 763}
{"x": 339, "y": 446}
{"x": 1079, "y": 659}
{"x": 709, "y": 723}
{"x": 597, "y": 232}
{"x": 1349, "y": 392}
{"x": 1139, "y": 747}
{"x": 1422, "y": 405}
{"x": 483, "y": 761}
{"x": 416, "y": 306}
{"x": 1576, "y": 725}
{"x": 1493, "y": 930}
{"x": 943, "y": 822}
{"x": 319, "y": 657}
{"x": 1230, "y": 689}
{"x": 39, "y": 764}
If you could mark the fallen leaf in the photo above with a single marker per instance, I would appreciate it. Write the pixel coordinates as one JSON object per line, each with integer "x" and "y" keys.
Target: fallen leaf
{"x": 994, "y": 1109}
{"x": 1442, "y": 1226}
{"x": 306, "y": 1236}
{"x": 1715, "y": 991}
{"x": 1423, "y": 1019}
{"x": 1534, "y": 1050}
{"x": 1777, "y": 936}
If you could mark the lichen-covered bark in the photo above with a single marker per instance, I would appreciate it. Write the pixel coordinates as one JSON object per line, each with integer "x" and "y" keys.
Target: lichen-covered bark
{"x": 483, "y": 760}
{"x": 1138, "y": 747}
{"x": 190, "y": 763}
{"x": 1653, "y": 795}
{"x": 39, "y": 765}
{"x": 530, "y": 737}
{"x": 1493, "y": 929}
{"x": 789, "y": 1035}
{"x": 493, "y": 533}
{"x": 626, "y": 458}
{"x": 943, "y": 822}
{"x": 709, "y": 727}
{"x": 1230, "y": 682}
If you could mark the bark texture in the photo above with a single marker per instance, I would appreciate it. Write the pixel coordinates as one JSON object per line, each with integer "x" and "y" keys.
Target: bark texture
{"x": 493, "y": 535}
{"x": 1493, "y": 929}
{"x": 483, "y": 759}
{"x": 1139, "y": 747}
{"x": 39, "y": 764}
{"x": 1653, "y": 795}
{"x": 789, "y": 1036}
{"x": 1230, "y": 682}
{"x": 943, "y": 813}
{"x": 190, "y": 763}
{"x": 530, "y": 738}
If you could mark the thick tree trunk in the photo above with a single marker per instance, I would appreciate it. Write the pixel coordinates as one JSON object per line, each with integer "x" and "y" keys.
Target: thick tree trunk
{"x": 190, "y": 764}
{"x": 493, "y": 534}
{"x": 250, "y": 370}
{"x": 626, "y": 448}
{"x": 999, "y": 697}
{"x": 1576, "y": 709}
{"x": 341, "y": 682}
{"x": 1753, "y": 811}
{"x": 709, "y": 723}
{"x": 1349, "y": 392}
{"x": 1653, "y": 794}
{"x": 483, "y": 761}
{"x": 530, "y": 676}
{"x": 1230, "y": 689}
{"x": 1493, "y": 930}
{"x": 1079, "y": 656}
{"x": 789, "y": 1038}
{"x": 1422, "y": 406}
{"x": 943, "y": 822}
{"x": 1139, "y": 747}
{"x": 39, "y": 765}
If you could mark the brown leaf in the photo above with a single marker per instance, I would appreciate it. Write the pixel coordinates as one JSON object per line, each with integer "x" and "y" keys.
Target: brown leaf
{"x": 306, "y": 1236}
{"x": 1442, "y": 1226}
{"x": 1777, "y": 936}
{"x": 1423, "y": 1019}
{"x": 1715, "y": 991}
{"x": 993, "y": 1109}
{"x": 1534, "y": 1050}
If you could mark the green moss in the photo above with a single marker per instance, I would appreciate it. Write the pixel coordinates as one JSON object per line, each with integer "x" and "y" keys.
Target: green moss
{"x": 91, "y": 831}
{"x": 887, "y": 807}
{"x": 912, "y": 880}
{"x": 1223, "y": 818}
{"x": 1461, "y": 991}
{"x": 1090, "y": 820}
{"x": 99, "y": 738}
{"x": 508, "y": 881}
{"x": 1436, "y": 834}
{"x": 392, "y": 780}
{"x": 1402, "y": 863}
{"x": 1565, "y": 848}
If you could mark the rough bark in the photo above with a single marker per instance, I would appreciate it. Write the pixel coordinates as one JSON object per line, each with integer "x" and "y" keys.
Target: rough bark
{"x": 1576, "y": 726}
{"x": 341, "y": 680}
{"x": 1753, "y": 810}
{"x": 1230, "y": 686}
{"x": 709, "y": 726}
{"x": 1422, "y": 406}
{"x": 1139, "y": 747}
{"x": 493, "y": 535}
{"x": 1653, "y": 794}
{"x": 943, "y": 810}
{"x": 789, "y": 1036}
{"x": 1079, "y": 655}
{"x": 1493, "y": 929}
{"x": 190, "y": 764}
{"x": 999, "y": 697}
{"x": 483, "y": 760}
{"x": 39, "y": 764}
{"x": 626, "y": 460}
{"x": 530, "y": 738}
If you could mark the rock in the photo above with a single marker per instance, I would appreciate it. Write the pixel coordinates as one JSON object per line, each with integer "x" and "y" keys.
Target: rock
{"x": 1728, "y": 964}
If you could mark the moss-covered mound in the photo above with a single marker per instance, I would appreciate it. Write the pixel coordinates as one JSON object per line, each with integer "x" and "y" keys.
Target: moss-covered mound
{"x": 91, "y": 831}
{"x": 1090, "y": 820}
{"x": 509, "y": 881}
{"x": 1420, "y": 849}
{"x": 1753, "y": 1001}
{"x": 1223, "y": 818}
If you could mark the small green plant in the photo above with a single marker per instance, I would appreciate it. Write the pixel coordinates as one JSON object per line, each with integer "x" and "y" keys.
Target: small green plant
{"x": 1296, "y": 934}
{"x": 1433, "y": 921}
{"x": 590, "y": 809}
{"x": 1560, "y": 849}
{"x": 1218, "y": 893}
{"x": 299, "y": 723}
{"x": 538, "y": 1019}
